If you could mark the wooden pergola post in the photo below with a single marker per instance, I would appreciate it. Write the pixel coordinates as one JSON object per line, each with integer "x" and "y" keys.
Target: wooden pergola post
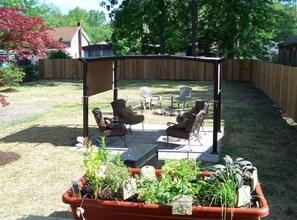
{"x": 217, "y": 105}
{"x": 85, "y": 100}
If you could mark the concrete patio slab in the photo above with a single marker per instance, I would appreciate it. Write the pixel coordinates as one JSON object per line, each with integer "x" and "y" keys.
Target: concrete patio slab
{"x": 176, "y": 149}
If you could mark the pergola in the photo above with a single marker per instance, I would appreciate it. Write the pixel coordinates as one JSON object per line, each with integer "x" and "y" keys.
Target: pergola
{"x": 101, "y": 74}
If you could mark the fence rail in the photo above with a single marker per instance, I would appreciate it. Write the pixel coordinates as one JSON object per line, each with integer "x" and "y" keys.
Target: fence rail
{"x": 279, "y": 82}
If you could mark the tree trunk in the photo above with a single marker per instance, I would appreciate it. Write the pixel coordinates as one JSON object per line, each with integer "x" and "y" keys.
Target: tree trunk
{"x": 194, "y": 36}
{"x": 161, "y": 26}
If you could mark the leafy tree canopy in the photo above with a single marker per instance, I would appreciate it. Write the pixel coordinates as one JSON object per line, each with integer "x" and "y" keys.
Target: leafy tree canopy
{"x": 31, "y": 8}
{"x": 93, "y": 21}
{"x": 242, "y": 28}
{"x": 25, "y": 36}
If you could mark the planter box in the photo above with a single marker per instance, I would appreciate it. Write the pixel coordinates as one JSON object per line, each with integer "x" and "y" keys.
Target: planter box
{"x": 115, "y": 210}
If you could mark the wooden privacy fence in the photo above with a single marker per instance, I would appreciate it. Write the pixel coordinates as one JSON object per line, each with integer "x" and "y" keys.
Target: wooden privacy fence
{"x": 279, "y": 82}
{"x": 170, "y": 69}
{"x": 60, "y": 69}
{"x": 167, "y": 69}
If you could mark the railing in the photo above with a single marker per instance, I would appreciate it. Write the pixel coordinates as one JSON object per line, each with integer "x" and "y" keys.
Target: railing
{"x": 279, "y": 82}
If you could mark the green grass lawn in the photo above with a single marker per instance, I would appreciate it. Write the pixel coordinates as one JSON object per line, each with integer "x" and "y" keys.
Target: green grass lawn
{"x": 42, "y": 163}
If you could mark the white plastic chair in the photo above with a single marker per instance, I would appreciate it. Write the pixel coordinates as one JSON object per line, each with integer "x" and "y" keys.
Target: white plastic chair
{"x": 150, "y": 99}
{"x": 185, "y": 93}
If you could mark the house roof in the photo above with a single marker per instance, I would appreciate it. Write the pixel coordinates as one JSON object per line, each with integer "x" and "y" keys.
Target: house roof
{"x": 66, "y": 34}
{"x": 289, "y": 42}
{"x": 97, "y": 47}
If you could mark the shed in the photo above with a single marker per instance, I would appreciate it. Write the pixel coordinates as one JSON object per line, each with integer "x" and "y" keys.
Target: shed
{"x": 287, "y": 52}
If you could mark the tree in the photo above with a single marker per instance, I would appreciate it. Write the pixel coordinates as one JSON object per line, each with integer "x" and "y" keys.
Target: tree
{"x": 242, "y": 28}
{"x": 194, "y": 35}
{"x": 109, "y": 5}
{"x": 54, "y": 17}
{"x": 98, "y": 30}
{"x": 31, "y": 8}
{"x": 141, "y": 27}
{"x": 93, "y": 22}
{"x": 161, "y": 19}
{"x": 287, "y": 30}
{"x": 129, "y": 29}
{"x": 25, "y": 36}
{"x": 51, "y": 14}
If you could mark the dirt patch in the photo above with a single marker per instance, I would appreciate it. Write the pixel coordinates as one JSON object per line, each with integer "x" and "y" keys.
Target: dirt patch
{"x": 9, "y": 90}
{"x": 8, "y": 157}
{"x": 3, "y": 101}
{"x": 19, "y": 111}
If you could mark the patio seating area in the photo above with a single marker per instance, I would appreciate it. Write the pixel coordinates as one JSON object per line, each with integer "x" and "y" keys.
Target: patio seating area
{"x": 176, "y": 149}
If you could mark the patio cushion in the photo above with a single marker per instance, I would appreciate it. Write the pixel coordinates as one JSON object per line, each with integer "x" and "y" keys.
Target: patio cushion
{"x": 124, "y": 112}
{"x": 109, "y": 123}
{"x": 182, "y": 124}
{"x": 133, "y": 119}
{"x": 189, "y": 123}
{"x": 177, "y": 132}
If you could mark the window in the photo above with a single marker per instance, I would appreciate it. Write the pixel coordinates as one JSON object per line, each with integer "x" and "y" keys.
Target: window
{"x": 91, "y": 53}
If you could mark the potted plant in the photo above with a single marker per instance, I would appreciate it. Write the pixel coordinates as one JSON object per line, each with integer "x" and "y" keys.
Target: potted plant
{"x": 180, "y": 190}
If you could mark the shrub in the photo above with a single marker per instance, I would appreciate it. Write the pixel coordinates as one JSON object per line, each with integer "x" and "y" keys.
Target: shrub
{"x": 31, "y": 73}
{"x": 11, "y": 75}
{"x": 58, "y": 55}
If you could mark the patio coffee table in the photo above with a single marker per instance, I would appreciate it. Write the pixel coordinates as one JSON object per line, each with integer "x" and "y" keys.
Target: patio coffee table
{"x": 141, "y": 155}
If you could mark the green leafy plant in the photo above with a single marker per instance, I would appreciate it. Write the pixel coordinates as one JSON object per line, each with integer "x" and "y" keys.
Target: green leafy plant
{"x": 178, "y": 177}
{"x": 58, "y": 55}
{"x": 222, "y": 188}
{"x": 105, "y": 171}
{"x": 31, "y": 73}
{"x": 11, "y": 75}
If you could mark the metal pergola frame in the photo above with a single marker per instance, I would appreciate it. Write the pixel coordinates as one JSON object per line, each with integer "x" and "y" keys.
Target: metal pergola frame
{"x": 217, "y": 78}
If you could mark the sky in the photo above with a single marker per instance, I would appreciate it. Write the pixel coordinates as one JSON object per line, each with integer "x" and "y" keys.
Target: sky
{"x": 66, "y": 5}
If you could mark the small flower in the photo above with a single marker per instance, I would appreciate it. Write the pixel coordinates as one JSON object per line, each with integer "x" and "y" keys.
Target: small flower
{"x": 80, "y": 139}
{"x": 101, "y": 171}
{"x": 83, "y": 140}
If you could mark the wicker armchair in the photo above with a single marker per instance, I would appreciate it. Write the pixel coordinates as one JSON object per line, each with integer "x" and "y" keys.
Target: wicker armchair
{"x": 125, "y": 114}
{"x": 107, "y": 128}
{"x": 199, "y": 105}
{"x": 188, "y": 129}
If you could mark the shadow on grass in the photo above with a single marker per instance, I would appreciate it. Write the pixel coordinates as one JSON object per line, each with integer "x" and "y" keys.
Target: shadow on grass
{"x": 55, "y": 135}
{"x": 52, "y": 83}
{"x": 58, "y": 215}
